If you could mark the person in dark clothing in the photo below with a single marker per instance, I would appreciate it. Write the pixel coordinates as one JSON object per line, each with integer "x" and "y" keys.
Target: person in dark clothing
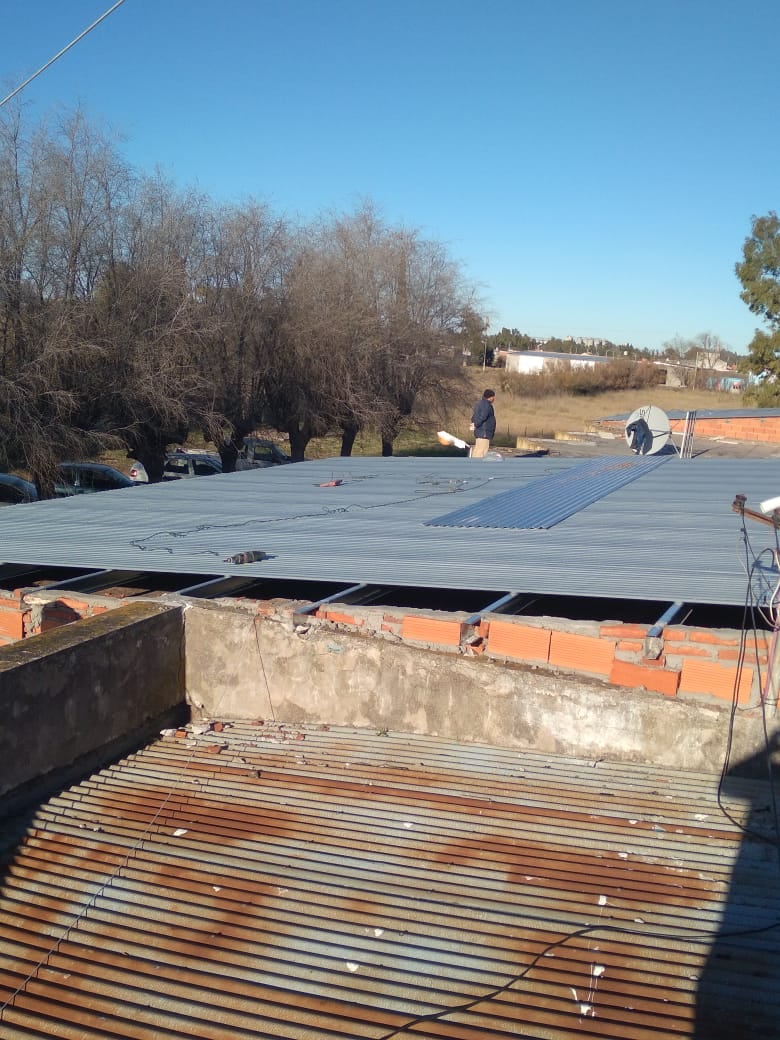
{"x": 483, "y": 424}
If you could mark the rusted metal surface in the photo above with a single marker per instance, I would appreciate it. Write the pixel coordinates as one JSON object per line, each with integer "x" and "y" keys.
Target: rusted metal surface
{"x": 260, "y": 880}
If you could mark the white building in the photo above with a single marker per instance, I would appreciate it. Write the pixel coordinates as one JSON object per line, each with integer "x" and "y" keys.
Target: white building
{"x": 527, "y": 362}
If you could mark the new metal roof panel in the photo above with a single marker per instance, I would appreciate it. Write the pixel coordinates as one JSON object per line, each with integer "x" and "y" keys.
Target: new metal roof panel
{"x": 669, "y": 536}
{"x": 281, "y": 882}
{"x": 550, "y": 499}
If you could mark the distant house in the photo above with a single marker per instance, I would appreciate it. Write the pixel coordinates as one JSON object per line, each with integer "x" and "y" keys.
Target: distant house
{"x": 527, "y": 362}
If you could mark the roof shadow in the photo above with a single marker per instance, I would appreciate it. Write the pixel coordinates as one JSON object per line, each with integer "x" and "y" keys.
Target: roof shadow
{"x": 739, "y": 986}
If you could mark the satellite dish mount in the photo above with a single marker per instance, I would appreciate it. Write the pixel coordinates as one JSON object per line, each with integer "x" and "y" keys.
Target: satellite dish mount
{"x": 648, "y": 430}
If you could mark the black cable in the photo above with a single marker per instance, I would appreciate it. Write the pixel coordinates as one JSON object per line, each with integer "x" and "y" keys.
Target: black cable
{"x": 749, "y": 613}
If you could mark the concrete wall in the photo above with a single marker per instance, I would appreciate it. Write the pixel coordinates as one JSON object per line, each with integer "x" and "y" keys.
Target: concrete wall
{"x": 582, "y": 688}
{"x": 241, "y": 665}
{"x": 68, "y": 693}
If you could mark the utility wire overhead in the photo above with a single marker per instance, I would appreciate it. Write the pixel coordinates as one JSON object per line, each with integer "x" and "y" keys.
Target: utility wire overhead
{"x": 59, "y": 54}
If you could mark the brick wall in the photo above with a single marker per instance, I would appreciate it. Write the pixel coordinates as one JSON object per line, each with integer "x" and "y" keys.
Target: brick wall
{"x": 12, "y": 616}
{"x": 685, "y": 662}
{"x": 741, "y": 428}
{"x": 26, "y": 612}
{"x": 692, "y": 662}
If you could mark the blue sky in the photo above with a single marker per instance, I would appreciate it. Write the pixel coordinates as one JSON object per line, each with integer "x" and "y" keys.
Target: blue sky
{"x": 593, "y": 164}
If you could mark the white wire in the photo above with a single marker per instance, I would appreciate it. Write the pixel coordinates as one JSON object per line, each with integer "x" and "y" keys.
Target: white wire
{"x": 59, "y": 54}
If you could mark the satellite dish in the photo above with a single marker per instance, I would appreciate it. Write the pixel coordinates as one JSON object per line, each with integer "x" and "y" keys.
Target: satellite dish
{"x": 647, "y": 430}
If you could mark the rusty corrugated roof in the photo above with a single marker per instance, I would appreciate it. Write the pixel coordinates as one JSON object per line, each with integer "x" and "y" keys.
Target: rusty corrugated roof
{"x": 280, "y": 881}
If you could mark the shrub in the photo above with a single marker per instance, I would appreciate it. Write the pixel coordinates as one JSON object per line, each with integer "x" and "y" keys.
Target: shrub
{"x": 564, "y": 379}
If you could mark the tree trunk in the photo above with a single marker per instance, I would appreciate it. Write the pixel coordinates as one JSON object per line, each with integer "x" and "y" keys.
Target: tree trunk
{"x": 299, "y": 438}
{"x": 228, "y": 453}
{"x": 348, "y": 435}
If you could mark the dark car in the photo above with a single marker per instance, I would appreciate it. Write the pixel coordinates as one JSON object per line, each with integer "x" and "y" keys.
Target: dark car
{"x": 179, "y": 464}
{"x": 14, "y": 490}
{"x": 82, "y": 478}
{"x": 257, "y": 453}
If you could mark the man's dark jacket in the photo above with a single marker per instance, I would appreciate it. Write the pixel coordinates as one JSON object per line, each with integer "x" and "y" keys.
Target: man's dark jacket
{"x": 484, "y": 419}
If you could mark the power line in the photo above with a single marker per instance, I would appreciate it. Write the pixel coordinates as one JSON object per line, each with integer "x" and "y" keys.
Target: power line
{"x": 51, "y": 61}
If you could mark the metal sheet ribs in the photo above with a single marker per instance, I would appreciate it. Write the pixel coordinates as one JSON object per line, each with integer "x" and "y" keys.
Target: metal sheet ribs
{"x": 545, "y": 502}
{"x": 327, "y": 884}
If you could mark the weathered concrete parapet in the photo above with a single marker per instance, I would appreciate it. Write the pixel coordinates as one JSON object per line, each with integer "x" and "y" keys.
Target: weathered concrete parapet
{"x": 70, "y": 692}
{"x": 241, "y": 665}
{"x": 583, "y": 688}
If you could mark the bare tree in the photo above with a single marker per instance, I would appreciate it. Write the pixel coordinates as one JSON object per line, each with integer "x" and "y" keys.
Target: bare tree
{"x": 244, "y": 256}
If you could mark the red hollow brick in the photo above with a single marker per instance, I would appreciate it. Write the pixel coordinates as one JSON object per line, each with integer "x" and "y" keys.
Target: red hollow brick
{"x": 662, "y": 680}
{"x": 748, "y": 655}
{"x": 716, "y": 679}
{"x": 520, "y": 641}
{"x": 697, "y": 636}
{"x": 582, "y": 653}
{"x": 621, "y": 631}
{"x": 675, "y": 635}
{"x": 339, "y": 618}
{"x": 431, "y": 630}
{"x": 11, "y": 623}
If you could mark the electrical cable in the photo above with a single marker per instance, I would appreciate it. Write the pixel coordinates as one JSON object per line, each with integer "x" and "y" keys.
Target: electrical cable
{"x": 452, "y": 487}
{"x": 748, "y": 615}
{"x": 770, "y": 743}
{"x": 59, "y": 54}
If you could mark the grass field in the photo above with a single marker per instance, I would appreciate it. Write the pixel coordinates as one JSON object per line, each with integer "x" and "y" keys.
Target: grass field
{"x": 516, "y": 417}
{"x": 525, "y": 417}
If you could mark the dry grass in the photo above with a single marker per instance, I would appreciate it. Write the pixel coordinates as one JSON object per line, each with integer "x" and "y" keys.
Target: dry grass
{"x": 526, "y": 417}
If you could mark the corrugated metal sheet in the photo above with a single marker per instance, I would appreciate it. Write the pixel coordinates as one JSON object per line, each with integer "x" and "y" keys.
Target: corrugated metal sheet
{"x": 545, "y": 502}
{"x": 670, "y": 536}
{"x": 272, "y": 881}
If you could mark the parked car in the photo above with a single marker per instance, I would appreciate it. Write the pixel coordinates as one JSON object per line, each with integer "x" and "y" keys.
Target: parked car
{"x": 191, "y": 464}
{"x": 81, "y": 478}
{"x": 14, "y": 490}
{"x": 257, "y": 453}
{"x": 138, "y": 472}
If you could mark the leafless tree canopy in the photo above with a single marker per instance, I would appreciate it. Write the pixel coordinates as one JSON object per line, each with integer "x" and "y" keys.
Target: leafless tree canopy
{"x": 132, "y": 312}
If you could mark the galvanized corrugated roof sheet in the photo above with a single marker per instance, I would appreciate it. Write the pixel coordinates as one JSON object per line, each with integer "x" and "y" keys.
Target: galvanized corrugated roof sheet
{"x": 553, "y": 498}
{"x": 274, "y": 881}
{"x": 669, "y": 536}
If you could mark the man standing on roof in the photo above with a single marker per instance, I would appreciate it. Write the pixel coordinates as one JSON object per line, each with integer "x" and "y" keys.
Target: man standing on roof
{"x": 483, "y": 424}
